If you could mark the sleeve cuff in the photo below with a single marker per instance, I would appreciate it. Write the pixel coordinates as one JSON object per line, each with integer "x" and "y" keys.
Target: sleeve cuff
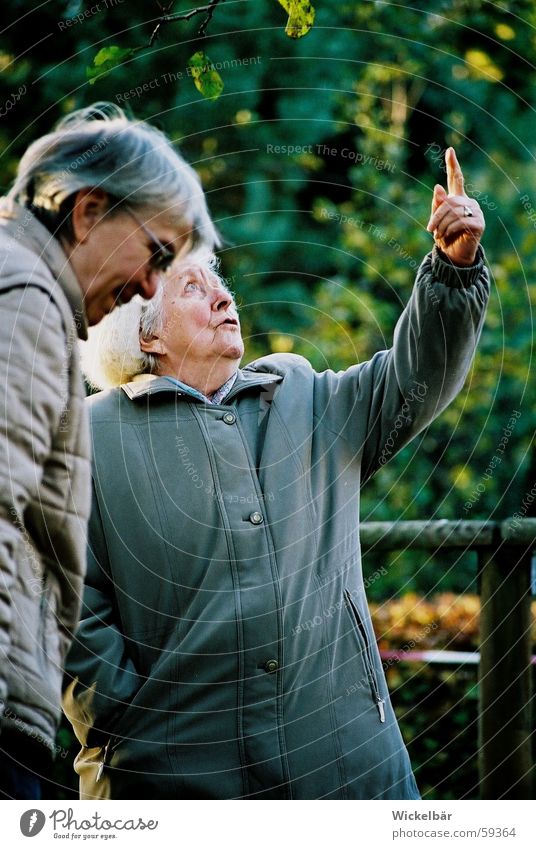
{"x": 460, "y": 277}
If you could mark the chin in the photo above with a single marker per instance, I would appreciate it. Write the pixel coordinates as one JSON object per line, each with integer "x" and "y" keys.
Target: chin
{"x": 94, "y": 315}
{"x": 234, "y": 352}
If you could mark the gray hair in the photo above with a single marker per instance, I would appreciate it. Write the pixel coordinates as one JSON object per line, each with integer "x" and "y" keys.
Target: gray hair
{"x": 112, "y": 354}
{"x": 134, "y": 163}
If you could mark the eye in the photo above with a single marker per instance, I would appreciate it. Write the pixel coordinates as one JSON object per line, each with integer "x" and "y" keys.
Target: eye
{"x": 191, "y": 286}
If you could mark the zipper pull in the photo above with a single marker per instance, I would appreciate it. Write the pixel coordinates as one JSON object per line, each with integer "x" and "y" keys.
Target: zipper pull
{"x": 379, "y": 704}
{"x": 103, "y": 762}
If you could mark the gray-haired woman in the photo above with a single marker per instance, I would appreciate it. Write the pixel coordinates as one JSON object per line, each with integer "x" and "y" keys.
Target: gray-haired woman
{"x": 99, "y": 208}
{"x": 226, "y": 648}
{"x": 120, "y": 348}
{"x": 119, "y": 199}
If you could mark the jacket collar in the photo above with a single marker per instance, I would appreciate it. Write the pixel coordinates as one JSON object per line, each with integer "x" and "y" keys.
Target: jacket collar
{"x": 149, "y": 384}
{"x": 27, "y": 231}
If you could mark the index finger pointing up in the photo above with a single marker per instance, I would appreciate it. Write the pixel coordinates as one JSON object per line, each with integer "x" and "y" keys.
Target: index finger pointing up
{"x": 454, "y": 173}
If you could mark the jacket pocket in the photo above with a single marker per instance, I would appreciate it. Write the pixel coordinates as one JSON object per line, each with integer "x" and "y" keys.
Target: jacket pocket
{"x": 368, "y": 662}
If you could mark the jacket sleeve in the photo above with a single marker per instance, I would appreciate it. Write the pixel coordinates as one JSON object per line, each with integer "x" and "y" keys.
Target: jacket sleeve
{"x": 380, "y": 405}
{"x": 32, "y": 369}
{"x": 100, "y": 677}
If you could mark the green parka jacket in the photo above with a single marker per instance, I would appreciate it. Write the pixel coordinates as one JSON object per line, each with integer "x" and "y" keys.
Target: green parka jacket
{"x": 226, "y": 648}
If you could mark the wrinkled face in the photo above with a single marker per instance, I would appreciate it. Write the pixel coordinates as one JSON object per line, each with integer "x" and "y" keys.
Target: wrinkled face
{"x": 201, "y": 324}
{"x": 122, "y": 259}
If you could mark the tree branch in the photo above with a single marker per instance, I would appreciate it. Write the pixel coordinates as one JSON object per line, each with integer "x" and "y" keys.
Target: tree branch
{"x": 211, "y": 9}
{"x": 164, "y": 9}
{"x": 166, "y": 18}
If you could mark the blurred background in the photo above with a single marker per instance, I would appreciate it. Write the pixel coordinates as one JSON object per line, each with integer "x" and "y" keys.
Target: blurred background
{"x": 319, "y": 158}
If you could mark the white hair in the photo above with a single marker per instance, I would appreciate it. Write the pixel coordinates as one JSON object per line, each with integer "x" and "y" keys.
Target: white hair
{"x": 133, "y": 162}
{"x": 112, "y": 354}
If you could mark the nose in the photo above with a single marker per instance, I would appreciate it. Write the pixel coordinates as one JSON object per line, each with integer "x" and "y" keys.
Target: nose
{"x": 221, "y": 299}
{"x": 149, "y": 285}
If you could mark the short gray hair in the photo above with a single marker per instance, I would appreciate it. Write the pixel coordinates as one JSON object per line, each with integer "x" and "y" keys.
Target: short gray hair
{"x": 112, "y": 354}
{"x": 134, "y": 163}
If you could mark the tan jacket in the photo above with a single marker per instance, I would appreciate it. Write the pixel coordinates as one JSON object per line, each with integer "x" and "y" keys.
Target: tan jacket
{"x": 44, "y": 476}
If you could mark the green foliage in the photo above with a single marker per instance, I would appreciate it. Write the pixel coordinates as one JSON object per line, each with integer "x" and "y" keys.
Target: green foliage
{"x": 105, "y": 61}
{"x": 301, "y": 17}
{"x": 206, "y": 78}
{"x": 437, "y": 711}
{"x": 436, "y": 705}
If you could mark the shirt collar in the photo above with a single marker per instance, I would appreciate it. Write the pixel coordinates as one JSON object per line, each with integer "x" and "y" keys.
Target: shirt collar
{"x": 214, "y": 398}
{"x": 143, "y": 385}
{"x": 218, "y": 396}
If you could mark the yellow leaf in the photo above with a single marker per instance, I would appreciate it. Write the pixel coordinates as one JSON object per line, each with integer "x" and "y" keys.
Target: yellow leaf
{"x": 505, "y": 32}
{"x": 461, "y": 477}
{"x": 281, "y": 344}
{"x": 5, "y": 61}
{"x": 243, "y": 116}
{"x": 482, "y": 67}
{"x": 301, "y": 16}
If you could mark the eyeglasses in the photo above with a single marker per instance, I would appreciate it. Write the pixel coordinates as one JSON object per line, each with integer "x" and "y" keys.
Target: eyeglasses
{"x": 162, "y": 256}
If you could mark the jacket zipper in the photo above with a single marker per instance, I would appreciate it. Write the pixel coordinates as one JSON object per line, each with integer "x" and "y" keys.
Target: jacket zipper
{"x": 369, "y": 667}
{"x": 105, "y": 754}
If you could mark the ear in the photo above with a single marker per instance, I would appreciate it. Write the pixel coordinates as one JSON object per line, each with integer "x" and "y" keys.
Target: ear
{"x": 90, "y": 206}
{"x": 152, "y": 345}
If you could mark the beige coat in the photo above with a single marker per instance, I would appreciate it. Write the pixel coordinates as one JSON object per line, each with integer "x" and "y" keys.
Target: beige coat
{"x": 44, "y": 476}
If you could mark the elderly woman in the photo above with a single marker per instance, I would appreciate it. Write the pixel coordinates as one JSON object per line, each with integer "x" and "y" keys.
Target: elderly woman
{"x": 99, "y": 208}
{"x": 225, "y": 648}
{"x": 174, "y": 334}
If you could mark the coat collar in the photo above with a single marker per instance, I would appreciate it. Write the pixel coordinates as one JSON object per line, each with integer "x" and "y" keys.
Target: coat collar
{"x": 27, "y": 231}
{"x": 149, "y": 384}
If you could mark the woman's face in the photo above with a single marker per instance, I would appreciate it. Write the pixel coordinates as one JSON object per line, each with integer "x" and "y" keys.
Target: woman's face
{"x": 115, "y": 257}
{"x": 201, "y": 324}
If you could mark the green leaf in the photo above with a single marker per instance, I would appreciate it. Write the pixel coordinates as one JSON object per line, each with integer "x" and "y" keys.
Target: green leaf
{"x": 205, "y": 76}
{"x": 301, "y": 16}
{"x": 105, "y": 61}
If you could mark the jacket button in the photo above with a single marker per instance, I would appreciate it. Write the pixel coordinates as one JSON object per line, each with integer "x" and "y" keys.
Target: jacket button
{"x": 271, "y": 666}
{"x": 256, "y": 518}
{"x": 229, "y": 418}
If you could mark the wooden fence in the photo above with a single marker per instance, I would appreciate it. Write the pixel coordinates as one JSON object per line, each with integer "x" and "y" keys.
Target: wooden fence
{"x": 504, "y": 551}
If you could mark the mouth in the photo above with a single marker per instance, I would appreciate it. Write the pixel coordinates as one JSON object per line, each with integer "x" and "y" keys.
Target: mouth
{"x": 122, "y": 295}
{"x": 117, "y": 295}
{"x": 228, "y": 322}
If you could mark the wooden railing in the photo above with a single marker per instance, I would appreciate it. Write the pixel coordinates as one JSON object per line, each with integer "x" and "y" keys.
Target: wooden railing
{"x": 504, "y": 552}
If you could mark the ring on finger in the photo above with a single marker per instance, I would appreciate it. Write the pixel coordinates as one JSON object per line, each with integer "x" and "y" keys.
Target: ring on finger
{"x": 467, "y": 212}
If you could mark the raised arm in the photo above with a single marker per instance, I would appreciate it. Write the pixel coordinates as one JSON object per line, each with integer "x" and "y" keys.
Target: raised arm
{"x": 380, "y": 405}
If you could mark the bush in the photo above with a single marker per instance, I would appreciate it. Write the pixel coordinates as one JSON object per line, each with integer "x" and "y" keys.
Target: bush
{"x": 436, "y": 705}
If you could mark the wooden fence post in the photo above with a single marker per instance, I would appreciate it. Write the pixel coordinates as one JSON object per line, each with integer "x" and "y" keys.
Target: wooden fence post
{"x": 505, "y": 673}
{"x": 505, "y": 758}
